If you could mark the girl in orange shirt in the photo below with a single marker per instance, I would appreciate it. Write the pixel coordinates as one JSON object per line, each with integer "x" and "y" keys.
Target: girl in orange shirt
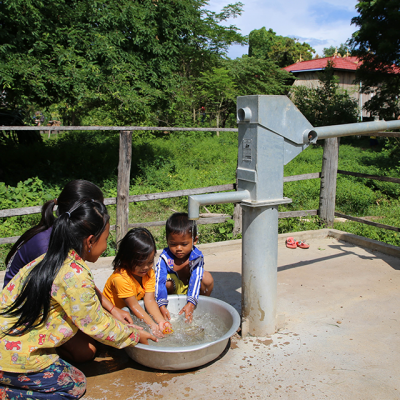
{"x": 134, "y": 279}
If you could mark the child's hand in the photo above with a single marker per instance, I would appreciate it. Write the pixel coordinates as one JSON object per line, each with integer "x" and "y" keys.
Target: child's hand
{"x": 145, "y": 336}
{"x": 121, "y": 315}
{"x": 188, "y": 310}
{"x": 155, "y": 329}
{"x": 165, "y": 327}
{"x": 165, "y": 313}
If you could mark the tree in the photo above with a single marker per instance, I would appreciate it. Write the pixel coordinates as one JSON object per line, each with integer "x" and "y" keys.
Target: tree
{"x": 204, "y": 52}
{"x": 325, "y": 105}
{"x": 239, "y": 77}
{"x": 218, "y": 88}
{"x": 377, "y": 44}
{"x": 282, "y": 50}
{"x": 343, "y": 50}
{"x": 120, "y": 61}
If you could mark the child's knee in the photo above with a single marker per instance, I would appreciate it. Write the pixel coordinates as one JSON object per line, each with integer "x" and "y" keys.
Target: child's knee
{"x": 207, "y": 284}
{"x": 208, "y": 279}
{"x": 170, "y": 287}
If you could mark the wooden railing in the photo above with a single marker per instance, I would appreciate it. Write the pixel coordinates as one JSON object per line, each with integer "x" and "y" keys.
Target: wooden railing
{"x": 329, "y": 173}
{"x": 328, "y": 177}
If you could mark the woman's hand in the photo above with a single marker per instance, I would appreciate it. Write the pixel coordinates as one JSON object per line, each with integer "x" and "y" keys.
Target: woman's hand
{"x": 135, "y": 326}
{"x": 188, "y": 310}
{"x": 145, "y": 336}
{"x": 121, "y": 315}
{"x": 165, "y": 313}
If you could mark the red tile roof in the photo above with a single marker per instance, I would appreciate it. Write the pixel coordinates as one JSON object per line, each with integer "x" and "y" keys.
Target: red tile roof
{"x": 346, "y": 63}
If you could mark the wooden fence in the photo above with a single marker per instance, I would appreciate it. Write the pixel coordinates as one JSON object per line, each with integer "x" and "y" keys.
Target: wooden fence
{"x": 328, "y": 176}
{"x": 328, "y": 183}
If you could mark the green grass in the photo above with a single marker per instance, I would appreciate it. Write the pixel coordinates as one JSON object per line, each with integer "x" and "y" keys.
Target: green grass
{"x": 32, "y": 175}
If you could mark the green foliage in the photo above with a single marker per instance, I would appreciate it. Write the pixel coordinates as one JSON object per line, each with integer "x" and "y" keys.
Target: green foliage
{"x": 257, "y": 76}
{"x": 343, "y": 50}
{"x": 377, "y": 44}
{"x": 353, "y": 197}
{"x": 219, "y": 90}
{"x": 242, "y": 76}
{"x": 282, "y": 50}
{"x": 26, "y": 194}
{"x": 185, "y": 160}
{"x": 326, "y": 104}
{"x": 117, "y": 62}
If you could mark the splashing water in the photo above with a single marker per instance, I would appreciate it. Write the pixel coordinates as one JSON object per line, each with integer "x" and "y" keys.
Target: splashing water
{"x": 205, "y": 328}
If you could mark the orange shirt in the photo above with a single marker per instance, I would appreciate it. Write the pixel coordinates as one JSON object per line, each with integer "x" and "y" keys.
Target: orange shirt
{"x": 121, "y": 285}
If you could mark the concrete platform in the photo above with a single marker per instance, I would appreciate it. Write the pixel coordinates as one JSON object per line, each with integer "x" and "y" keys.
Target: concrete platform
{"x": 338, "y": 318}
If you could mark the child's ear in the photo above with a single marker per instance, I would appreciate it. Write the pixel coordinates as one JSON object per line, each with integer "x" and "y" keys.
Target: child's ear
{"x": 195, "y": 240}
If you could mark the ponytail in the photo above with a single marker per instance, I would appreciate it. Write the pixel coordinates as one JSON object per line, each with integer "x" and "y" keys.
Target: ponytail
{"x": 32, "y": 305}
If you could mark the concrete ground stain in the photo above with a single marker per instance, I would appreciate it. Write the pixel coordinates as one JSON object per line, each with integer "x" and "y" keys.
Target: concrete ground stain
{"x": 265, "y": 342}
{"x": 112, "y": 374}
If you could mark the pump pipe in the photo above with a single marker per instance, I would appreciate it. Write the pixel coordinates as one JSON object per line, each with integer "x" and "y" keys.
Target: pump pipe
{"x": 214, "y": 198}
{"x": 325, "y": 132}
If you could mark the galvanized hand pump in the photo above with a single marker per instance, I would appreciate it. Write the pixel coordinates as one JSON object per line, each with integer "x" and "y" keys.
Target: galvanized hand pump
{"x": 272, "y": 131}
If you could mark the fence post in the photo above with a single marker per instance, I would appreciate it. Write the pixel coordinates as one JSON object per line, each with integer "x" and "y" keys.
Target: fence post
{"x": 124, "y": 174}
{"x": 328, "y": 181}
{"x": 237, "y": 218}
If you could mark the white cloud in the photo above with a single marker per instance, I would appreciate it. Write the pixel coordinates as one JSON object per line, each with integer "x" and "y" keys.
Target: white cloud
{"x": 321, "y": 24}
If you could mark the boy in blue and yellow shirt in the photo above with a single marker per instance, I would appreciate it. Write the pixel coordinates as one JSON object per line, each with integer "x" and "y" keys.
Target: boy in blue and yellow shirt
{"x": 180, "y": 268}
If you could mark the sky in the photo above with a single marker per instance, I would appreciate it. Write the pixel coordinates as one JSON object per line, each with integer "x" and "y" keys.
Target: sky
{"x": 319, "y": 23}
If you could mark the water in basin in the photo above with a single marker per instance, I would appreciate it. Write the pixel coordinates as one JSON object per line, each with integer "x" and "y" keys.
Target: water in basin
{"x": 205, "y": 328}
{"x": 212, "y": 317}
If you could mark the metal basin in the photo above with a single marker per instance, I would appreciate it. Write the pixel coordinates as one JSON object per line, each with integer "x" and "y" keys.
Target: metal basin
{"x": 180, "y": 358}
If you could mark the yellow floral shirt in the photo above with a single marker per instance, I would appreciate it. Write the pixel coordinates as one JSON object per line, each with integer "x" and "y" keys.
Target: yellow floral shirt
{"x": 74, "y": 305}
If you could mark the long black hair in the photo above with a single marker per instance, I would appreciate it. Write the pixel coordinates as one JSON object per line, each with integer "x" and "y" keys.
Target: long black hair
{"x": 72, "y": 192}
{"x": 86, "y": 217}
{"x": 135, "y": 247}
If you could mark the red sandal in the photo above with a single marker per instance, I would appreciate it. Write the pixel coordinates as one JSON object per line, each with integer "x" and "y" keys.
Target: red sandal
{"x": 302, "y": 245}
{"x": 291, "y": 243}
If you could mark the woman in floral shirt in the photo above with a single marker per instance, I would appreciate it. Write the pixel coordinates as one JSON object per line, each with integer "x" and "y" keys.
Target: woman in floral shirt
{"x": 48, "y": 301}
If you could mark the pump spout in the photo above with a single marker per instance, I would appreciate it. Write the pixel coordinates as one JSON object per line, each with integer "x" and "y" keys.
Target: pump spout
{"x": 214, "y": 198}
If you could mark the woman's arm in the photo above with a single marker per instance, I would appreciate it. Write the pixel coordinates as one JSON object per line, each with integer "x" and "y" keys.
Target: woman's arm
{"x": 74, "y": 291}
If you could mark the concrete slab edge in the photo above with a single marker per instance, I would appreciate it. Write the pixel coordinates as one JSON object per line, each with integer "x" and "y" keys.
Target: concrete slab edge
{"x": 361, "y": 241}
